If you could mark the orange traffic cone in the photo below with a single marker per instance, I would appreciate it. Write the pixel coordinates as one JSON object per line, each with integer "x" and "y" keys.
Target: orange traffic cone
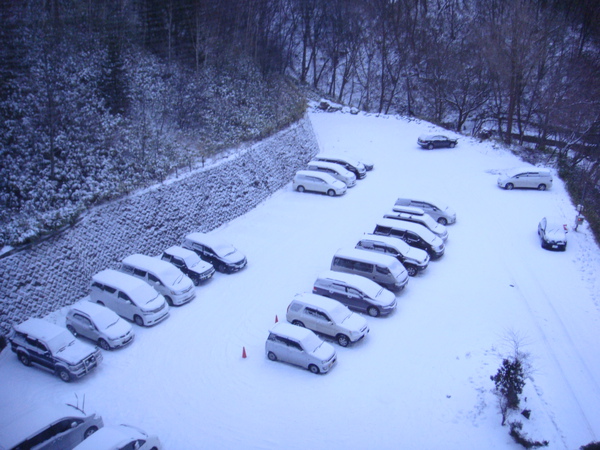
{"x": 243, "y": 352}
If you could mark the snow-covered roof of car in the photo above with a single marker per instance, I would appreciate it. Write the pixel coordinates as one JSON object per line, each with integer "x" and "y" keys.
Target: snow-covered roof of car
{"x": 40, "y": 328}
{"x": 369, "y": 287}
{"x": 292, "y": 331}
{"x": 101, "y": 314}
{"x": 333, "y": 166}
{"x": 392, "y": 241}
{"x": 134, "y": 287}
{"x": 339, "y": 157}
{"x": 314, "y": 173}
{"x": 167, "y": 272}
{"x": 180, "y": 252}
{"x": 422, "y": 230}
{"x": 318, "y": 300}
{"x": 112, "y": 437}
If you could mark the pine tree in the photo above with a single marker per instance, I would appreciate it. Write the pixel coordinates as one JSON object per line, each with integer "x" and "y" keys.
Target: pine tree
{"x": 509, "y": 381}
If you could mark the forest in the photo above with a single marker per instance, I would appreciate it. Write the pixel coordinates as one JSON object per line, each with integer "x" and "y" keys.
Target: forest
{"x": 99, "y": 98}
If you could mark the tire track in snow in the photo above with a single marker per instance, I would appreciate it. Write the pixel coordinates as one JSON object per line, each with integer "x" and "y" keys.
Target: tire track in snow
{"x": 543, "y": 302}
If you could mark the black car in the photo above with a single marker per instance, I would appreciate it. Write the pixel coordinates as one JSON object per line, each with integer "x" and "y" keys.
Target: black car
{"x": 223, "y": 256}
{"x": 436, "y": 141}
{"x": 189, "y": 263}
{"x": 553, "y": 234}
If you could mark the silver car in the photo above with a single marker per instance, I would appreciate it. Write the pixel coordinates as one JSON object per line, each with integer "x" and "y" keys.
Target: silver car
{"x": 121, "y": 437}
{"x": 440, "y": 212}
{"x": 100, "y": 325}
{"x": 310, "y": 180}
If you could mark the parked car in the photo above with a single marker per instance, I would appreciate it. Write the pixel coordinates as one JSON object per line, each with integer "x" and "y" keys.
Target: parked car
{"x": 350, "y": 163}
{"x": 384, "y": 270}
{"x": 130, "y": 297}
{"x": 526, "y": 177}
{"x": 313, "y": 181}
{"x": 53, "y": 348}
{"x": 335, "y": 170}
{"x": 189, "y": 263}
{"x": 57, "y": 427}
{"x": 222, "y": 255}
{"x": 172, "y": 283}
{"x": 553, "y": 234}
{"x": 422, "y": 219}
{"x": 440, "y": 212}
{"x": 356, "y": 292}
{"x": 299, "y": 346}
{"x": 327, "y": 317}
{"x": 120, "y": 437}
{"x": 413, "y": 234}
{"x": 431, "y": 141}
{"x": 99, "y": 324}
{"x": 413, "y": 259}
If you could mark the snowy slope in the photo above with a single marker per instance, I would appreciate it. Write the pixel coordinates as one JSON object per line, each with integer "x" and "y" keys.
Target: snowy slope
{"x": 421, "y": 379}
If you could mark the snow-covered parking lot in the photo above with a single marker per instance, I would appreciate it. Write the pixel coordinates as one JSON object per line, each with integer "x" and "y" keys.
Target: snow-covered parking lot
{"x": 421, "y": 378}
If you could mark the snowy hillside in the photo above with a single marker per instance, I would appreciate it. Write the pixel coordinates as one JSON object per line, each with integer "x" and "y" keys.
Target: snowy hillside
{"x": 421, "y": 378}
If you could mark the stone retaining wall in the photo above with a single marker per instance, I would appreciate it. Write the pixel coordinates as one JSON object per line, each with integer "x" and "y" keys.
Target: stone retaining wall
{"x": 57, "y": 272}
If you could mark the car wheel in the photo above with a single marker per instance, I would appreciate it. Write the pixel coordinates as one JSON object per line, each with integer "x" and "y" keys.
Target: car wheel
{"x": 64, "y": 374}
{"x": 89, "y": 432}
{"x": 331, "y": 192}
{"x": 373, "y": 311}
{"x": 138, "y": 320}
{"x": 343, "y": 340}
{"x": 103, "y": 344}
{"x": 169, "y": 301}
{"x": 542, "y": 187}
{"x": 272, "y": 356}
{"x": 300, "y": 188}
{"x": 24, "y": 358}
{"x": 196, "y": 281}
{"x": 430, "y": 146}
{"x": 442, "y": 221}
{"x": 509, "y": 186}
{"x": 72, "y": 330}
{"x": 298, "y": 323}
{"x": 412, "y": 270}
{"x": 452, "y": 144}
{"x": 313, "y": 369}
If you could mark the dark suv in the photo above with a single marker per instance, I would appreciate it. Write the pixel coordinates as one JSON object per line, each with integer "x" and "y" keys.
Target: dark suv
{"x": 223, "y": 256}
{"x": 54, "y": 348}
{"x": 189, "y": 263}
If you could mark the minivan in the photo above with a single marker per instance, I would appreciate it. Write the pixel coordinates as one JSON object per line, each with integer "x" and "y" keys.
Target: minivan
{"x": 356, "y": 292}
{"x": 382, "y": 269}
{"x": 299, "y": 346}
{"x": 349, "y": 163}
{"x": 413, "y": 259}
{"x": 440, "y": 212}
{"x": 422, "y": 219}
{"x": 310, "y": 180}
{"x": 55, "y": 427}
{"x": 129, "y": 297}
{"x": 327, "y": 317}
{"x": 526, "y": 177}
{"x": 335, "y": 170}
{"x": 167, "y": 279}
{"x": 413, "y": 234}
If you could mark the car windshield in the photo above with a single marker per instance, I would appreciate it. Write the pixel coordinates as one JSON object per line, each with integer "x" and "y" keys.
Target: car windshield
{"x": 171, "y": 276}
{"x": 224, "y": 250}
{"x": 340, "y": 313}
{"x": 61, "y": 341}
{"x": 311, "y": 343}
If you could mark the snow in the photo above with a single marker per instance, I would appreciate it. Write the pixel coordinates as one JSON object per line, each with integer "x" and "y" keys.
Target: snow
{"x": 421, "y": 378}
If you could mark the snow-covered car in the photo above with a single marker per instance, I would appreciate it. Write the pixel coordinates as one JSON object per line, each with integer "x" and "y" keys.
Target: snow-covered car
{"x": 222, "y": 255}
{"x": 120, "y": 437}
{"x": 356, "y": 292}
{"x": 414, "y": 259}
{"x": 327, "y": 317}
{"x": 423, "y": 219}
{"x": 99, "y": 324}
{"x": 553, "y": 234}
{"x": 527, "y": 178}
{"x": 440, "y": 212}
{"x": 313, "y": 181}
{"x": 299, "y": 346}
{"x": 53, "y": 348}
{"x": 56, "y": 427}
{"x": 350, "y": 163}
{"x": 413, "y": 234}
{"x": 335, "y": 170}
{"x": 189, "y": 263}
{"x": 431, "y": 141}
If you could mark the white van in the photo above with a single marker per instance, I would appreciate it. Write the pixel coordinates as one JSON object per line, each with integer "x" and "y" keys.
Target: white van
{"x": 299, "y": 346}
{"x": 310, "y": 180}
{"x": 167, "y": 279}
{"x": 526, "y": 177}
{"x": 335, "y": 170}
{"x": 129, "y": 297}
{"x": 422, "y": 219}
{"x": 384, "y": 270}
{"x": 327, "y": 317}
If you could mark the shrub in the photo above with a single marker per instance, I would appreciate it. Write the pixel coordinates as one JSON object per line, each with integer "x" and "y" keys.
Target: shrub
{"x": 521, "y": 438}
{"x": 509, "y": 381}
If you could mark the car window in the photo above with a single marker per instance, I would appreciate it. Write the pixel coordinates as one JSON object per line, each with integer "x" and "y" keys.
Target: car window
{"x": 342, "y": 262}
{"x": 110, "y": 289}
{"x": 383, "y": 230}
{"x": 153, "y": 278}
{"x": 97, "y": 285}
{"x": 353, "y": 292}
{"x": 177, "y": 261}
{"x": 139, "y": 272}
{"x": 366, "y": 244}
{"x": 363, "y": 267}
{"x": 124, "y": 296}
{"x": 383, "y": 270}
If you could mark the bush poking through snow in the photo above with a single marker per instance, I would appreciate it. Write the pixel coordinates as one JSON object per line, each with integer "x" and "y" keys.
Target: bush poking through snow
{"x": 509, "y": 382}
{"x": 521, "y": 438}
{"x": 591, "y": 446}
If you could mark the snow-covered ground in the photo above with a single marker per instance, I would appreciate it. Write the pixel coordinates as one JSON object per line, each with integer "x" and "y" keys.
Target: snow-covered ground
{"x": 421, "y": 379}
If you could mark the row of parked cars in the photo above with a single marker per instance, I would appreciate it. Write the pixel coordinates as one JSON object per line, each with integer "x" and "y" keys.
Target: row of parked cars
{"x": 361, "y": 279}
{"x": 331, "y": 174}
{"x": 65, "y": 427}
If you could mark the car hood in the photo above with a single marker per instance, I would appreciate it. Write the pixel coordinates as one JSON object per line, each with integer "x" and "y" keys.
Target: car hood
{"x": 556, "y": 234}
{"x": 201, "y": 267}
{"x": 117, "y": 329}
{"x": 354, "y": 322}
{"x": 75, "y": 353}
{"x": 417, "y": 254}
{"x": 235, "y": 257}
{"x": 385, "y": 298}
{"x": 324, "y": 351}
